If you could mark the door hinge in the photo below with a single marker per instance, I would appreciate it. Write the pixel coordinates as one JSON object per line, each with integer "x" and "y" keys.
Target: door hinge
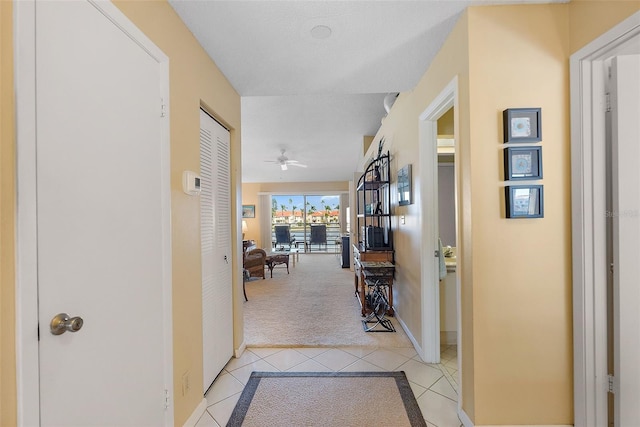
{"x": 38, "y": 331}
{"x": 166, "y": 399}
{"x": 163, "y": 108}
{"x": 611, "y": 384}
{"x": 608, "y": 102}
{"x": 436, "y": 253}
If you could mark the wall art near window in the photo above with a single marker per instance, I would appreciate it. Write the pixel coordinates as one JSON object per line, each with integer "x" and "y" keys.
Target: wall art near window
{"x": 248, "y": 211}
{"x": 404, "y": 186}
{"x": 522, "y": 163}
{"x": 524, "y": 201}
{"x": 522, "y": 125}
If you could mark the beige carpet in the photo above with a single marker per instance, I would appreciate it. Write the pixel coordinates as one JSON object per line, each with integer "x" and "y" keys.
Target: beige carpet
{"x": 327, "y": 399}
{"x": 314, "y": 305}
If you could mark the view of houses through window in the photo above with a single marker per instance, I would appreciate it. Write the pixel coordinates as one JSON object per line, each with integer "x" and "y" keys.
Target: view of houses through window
{"x": 313, "y": 220}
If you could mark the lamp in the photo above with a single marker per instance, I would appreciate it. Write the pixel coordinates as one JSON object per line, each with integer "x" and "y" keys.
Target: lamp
{"x": 244, "y": 228}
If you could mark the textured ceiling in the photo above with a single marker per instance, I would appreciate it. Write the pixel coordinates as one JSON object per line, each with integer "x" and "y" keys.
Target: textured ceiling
{"x": 317, "y": 98}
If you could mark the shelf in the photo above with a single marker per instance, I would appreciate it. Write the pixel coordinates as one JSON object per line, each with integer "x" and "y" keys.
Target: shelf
{"x": 372, "y": 185}
{"x": 373, "y": 206}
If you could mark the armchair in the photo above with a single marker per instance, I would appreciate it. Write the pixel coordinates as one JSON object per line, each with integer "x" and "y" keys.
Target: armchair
{"x": 318, "y": 235}
{"x": 283, "y": 235}
{"x": 254, "y": 262}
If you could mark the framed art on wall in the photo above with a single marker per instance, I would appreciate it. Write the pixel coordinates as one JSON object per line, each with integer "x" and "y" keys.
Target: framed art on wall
{"x": 404, "y": 186}
{"x": 524, "y": 201}
{"x": 522, "y": 125}
{"x": 248, "y": 211}
{"x": 522, "y": 163}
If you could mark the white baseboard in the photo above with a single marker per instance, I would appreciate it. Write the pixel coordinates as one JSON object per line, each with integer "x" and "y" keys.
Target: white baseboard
{"x": 409, "y": 334}
{"x": 196, "y": 414}
{"x": 238, "y": 352}
{"x": 449, "y": 337}
{"x": 466, "y": 421}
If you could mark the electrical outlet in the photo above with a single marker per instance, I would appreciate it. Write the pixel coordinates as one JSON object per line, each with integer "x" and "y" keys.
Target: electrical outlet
{"x": 185, "y": 383}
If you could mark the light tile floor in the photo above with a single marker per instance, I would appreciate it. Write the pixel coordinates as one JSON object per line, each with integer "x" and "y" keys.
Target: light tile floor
{"x": 434, "y": 385}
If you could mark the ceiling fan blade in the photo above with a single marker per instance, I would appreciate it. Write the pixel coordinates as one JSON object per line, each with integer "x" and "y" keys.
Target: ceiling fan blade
{"x": 300, "y": 165}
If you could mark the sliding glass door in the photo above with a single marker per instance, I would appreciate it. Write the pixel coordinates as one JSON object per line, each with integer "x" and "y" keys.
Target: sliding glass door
{"x": 313, "y": 220}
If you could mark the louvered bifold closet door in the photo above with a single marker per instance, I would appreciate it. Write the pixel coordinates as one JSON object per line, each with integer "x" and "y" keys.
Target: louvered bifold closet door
{"x": 215, "y": 226}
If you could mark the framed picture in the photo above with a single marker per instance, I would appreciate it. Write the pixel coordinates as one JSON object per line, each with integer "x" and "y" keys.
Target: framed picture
{"x": 248, "y": 211}
{"x": 524, "y": 201}
{"x": 404, "y": 186}
{"x": 522, "y": 125}
{"x": 522, "y": 163}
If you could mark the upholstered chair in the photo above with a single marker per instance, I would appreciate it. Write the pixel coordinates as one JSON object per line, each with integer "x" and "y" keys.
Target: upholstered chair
{"x": 254, "y": 262}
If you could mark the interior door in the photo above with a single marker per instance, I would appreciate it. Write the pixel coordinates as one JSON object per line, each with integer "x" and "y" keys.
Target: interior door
{"x": 215, "y": 231}
{"x": 101, "y": 221}
{"x": 625, "y": 127}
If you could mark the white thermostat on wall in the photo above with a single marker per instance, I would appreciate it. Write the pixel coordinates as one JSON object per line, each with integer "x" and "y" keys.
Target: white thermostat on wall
{"x": 190, "y": 183}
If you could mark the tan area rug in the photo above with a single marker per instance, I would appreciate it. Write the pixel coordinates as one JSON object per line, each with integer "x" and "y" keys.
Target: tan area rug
{"x": 314, "y": 305}
{"x": 327, "y": 399}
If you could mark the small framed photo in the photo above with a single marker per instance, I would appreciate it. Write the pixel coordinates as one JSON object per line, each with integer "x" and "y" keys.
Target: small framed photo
{"x": 248, "y": 211}
{"x": 404, "y": 186}
{"x": 524, "y": 201}
{"x": 522, "y": 125}
{"x": 522, "y": 163}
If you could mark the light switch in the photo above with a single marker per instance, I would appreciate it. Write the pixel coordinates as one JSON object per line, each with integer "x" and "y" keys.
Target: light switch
{"x": 402, "y": 219}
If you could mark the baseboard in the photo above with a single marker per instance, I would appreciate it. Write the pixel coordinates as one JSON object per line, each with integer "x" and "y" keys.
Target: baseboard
{"x": 197, "y": 413}
{"x": 238, "y": 352}
{"x": 466, "y": 421}
{"x": 409, "y": 334}
{"x": 449, "y": 337}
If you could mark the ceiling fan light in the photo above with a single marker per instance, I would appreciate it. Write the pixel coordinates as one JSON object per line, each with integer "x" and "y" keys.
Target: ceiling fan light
{"x": 283, "y": 166}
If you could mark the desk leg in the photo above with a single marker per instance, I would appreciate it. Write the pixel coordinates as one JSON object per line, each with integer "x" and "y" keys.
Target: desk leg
{"x": 363, "y": 299}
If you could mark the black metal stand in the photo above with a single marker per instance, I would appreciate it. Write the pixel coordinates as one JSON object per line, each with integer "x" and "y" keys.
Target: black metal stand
{"x": 377, "y": 300}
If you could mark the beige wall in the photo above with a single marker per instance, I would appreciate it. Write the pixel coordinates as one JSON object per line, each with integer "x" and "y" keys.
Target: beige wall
{"x": 7, "y": 225}
{"x": 521, "y": 268}
{"x": 251, "y": 192}
{"x": 590, "y": 18}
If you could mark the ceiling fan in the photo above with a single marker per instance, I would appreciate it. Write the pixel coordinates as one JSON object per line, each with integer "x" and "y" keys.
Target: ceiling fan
{"x": 284, "y": 161}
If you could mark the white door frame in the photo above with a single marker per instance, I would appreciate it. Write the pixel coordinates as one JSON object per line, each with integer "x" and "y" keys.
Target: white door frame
{"x": 429, "y": 279}
{"x": 27, "y": 360}
{"x": 587, "y": 77}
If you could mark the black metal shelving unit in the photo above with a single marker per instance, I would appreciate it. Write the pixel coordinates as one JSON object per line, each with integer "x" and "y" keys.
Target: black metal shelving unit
{"x": 374, "y": 206}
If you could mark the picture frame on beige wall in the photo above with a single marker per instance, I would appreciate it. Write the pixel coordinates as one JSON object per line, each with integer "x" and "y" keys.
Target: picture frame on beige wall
{"x": 522, "y": 125}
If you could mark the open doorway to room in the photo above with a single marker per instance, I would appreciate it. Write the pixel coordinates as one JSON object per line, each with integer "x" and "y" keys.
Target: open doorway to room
{"x": 447, "y": 220}
{"x": 440, "y": 288}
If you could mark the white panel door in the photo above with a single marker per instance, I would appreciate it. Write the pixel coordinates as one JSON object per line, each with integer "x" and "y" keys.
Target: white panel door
{"x": 102, "y": 236}
{"x": 625, "y": 115}
{"x": 215, "y": 225}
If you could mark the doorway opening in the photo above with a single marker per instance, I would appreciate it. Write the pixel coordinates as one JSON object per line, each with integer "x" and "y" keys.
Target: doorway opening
{"x": 591, "y": 267}
{"x": 431, "y": 254}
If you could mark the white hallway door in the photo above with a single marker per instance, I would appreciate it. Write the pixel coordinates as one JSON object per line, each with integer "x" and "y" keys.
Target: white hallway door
{"x": 102, "y": 220}
{"x": 215, "y": 226}
{"x": 625, "y": 113}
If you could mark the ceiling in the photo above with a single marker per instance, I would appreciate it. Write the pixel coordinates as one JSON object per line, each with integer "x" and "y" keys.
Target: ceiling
{"x": 313, "y": 74}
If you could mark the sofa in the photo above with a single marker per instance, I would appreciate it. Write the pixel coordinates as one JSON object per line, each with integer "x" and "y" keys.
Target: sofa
{"x": 254, "y": 262}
